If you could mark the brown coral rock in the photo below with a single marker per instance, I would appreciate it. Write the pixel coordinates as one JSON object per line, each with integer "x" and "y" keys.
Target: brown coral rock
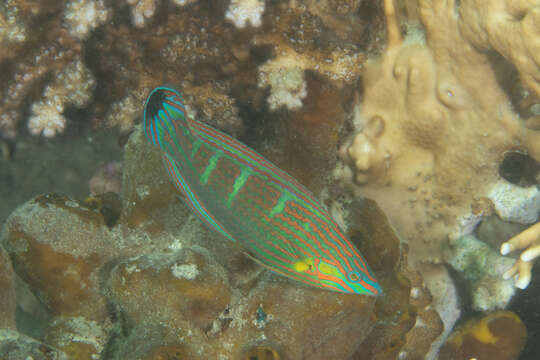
{"x": 78, "y": 337}
{"x": 145, "y": 187}
{"x": 405, "y": 324}
{"x": 168, "y": 352}
{"x": 180, "y": 290}
{"x": 312, "y": 132}
{"x": 7, "y": 296}
{"x": 15, "y": 345}
{"x": 498, "y": 336}
{"x": 58, "y": 263}
{"x": 182, "y": 296}
{"x": 58, "y": 247}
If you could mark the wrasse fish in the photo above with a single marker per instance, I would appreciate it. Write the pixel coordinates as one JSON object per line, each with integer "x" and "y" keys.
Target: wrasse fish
{"x": 247, "y": 199}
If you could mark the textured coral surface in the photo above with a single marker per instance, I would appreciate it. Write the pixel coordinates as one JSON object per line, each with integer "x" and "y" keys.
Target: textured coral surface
{"x": 145, "y": 278}
{"x": 427, "y": 113}
{"x": 499, "y": 335}
{"x": 105, "y": 56}
{"x": 432, "y": 129}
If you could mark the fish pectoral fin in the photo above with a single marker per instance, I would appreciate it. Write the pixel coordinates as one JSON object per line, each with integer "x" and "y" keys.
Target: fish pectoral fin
{"x": 263, "y": 264}
{"x": 255, "y": 259}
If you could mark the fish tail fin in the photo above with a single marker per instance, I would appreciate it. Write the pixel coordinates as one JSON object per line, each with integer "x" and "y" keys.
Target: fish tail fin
{"x": 164, "y": 116}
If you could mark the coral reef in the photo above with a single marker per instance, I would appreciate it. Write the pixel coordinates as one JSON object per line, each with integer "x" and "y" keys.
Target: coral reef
{"x": 287, "y": 84}
{"x": 437, "y": 113}
{"x": 223, "y": 47}
{"x": 176, "y": 289}
{"x": 12, "y": 30}
{"x": 73, "y": 85}
{"x": 14, "y": 345}
{"x": 515, "y": 204}
{"x": 297, "y": 51}
{"x": 407, "y": 324}
{"x": 7, "y": 298}
{"x": 212, "y": 105}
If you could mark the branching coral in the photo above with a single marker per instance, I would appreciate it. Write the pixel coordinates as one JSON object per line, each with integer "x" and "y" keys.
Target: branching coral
{"x": 288, "y": 86}
{"x": 297, "y": 45}
{"x": 73, "y": 85}
{"x": 212, "y": 105}
{"x": 241, "y": 12}
{"x": 123, "y": 113}
{"x": 529, "y": 242}
{"x": 44, "y": 60}
{"x": 12, "y": 29}
{"x": 192, "y": 44}
{"x": 141, "y": 11}
{"x": 82, "y": 16}
{"x": 45, "y": 52}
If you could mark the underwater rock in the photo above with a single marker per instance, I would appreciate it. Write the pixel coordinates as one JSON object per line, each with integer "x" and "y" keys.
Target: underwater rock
{"x": 14, "y": 345}
{"x": 446, "y": 301}
{"x": 166, "y": 352}
{"x": 169, "y": 280}
{"x": 181, "y": 290}
{"x": 406, "y": 324}
{"x": 515, "y": 203}
{"x": 7, "y": 296}
{"x": 152, "y": 283}
{"x": 306, "y": 323}
{"x": 57, "y": 246}
{"x": 262, "y": 353}
{"x": 482, "y": 268}
{"x": 494, "y": 231}
{"x": 185, "y": 297}
{"x": 499, "y": 336}
{"x": 312, "y": 133}
{"x": 77, "y": 337}
{"x": 199, "y": 293}
{"x": 145, "y": 187}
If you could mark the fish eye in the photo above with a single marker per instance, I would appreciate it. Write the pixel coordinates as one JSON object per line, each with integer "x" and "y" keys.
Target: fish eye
{"x": 354, "y": 276}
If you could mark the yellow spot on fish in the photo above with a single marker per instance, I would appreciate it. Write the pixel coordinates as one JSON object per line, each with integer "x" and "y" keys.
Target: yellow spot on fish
{"x": 304, "y": 265}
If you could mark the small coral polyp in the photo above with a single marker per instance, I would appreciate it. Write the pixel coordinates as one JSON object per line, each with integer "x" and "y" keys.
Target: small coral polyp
{"x": 82, "y": 16}
{"x": 242, "y": 12}
{"x": 73, "y": 85}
